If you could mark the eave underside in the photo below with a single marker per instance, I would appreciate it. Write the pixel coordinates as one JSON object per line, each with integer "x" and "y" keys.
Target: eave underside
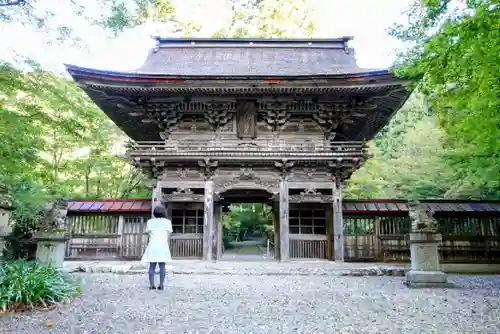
{"x": 120, "y": 103}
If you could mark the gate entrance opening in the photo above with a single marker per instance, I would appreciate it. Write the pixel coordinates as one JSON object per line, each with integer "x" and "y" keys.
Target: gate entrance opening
{"x": 247, "y": 223}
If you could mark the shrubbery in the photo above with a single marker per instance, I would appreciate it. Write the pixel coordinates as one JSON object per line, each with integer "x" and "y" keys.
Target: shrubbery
{"x": 27, "y": 285}
{"x": 226, "y": 240}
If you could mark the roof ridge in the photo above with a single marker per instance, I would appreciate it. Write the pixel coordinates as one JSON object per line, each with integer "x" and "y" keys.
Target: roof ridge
{"x": 186, "y": 40}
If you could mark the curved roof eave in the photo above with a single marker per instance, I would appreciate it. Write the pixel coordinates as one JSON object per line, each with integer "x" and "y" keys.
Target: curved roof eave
{"x": 138, "y": 77}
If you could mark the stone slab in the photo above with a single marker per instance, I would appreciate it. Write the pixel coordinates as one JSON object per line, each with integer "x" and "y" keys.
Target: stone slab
{"x": 427, "y": 279}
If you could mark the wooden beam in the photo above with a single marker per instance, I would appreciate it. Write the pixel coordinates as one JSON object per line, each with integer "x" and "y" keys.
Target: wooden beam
{"x": 284, "y": 223}
{"x": 338, "y": 222}
{"x": 208, "y": 229}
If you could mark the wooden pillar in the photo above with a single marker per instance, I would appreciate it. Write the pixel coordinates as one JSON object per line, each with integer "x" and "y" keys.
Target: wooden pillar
{"x": 338, "y": 222}
{"x": 121, "y": 221}
{"x": 220, "y": 239}
{"x": 156, "y": 196}
{"x": 329, "y": 233}
{"x": 376, "y": 242}
{"x": 168, "y": 206}
{"x": 284, "y": 223}
{"x": 208, "y": 221}
{"x": 217, "y": 236}
{"x": 276, "y": 221}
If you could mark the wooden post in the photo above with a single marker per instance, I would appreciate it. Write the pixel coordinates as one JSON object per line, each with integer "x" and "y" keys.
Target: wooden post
{"x": 217, "y": 227}
{"x": 69, "y": 223}
{"x": 156, "y": 196}
{"x": 220, "y": 235}
{"x": 208, "y": 221}
{"x": 329, "y": 234}
{"x": 376, "y": 246}
{"x": 338, "y": 222}
{"x": 276, "y": 213}
{"x": 120, "y": 236}
{"x": 284, "y": 223}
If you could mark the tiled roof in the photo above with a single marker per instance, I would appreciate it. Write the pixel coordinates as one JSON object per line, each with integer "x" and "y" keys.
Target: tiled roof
{"x": 255, "y": 58}
{"x": 138, "y": 205}
{"x": 133, "y": 205}
{"x": 395, "y": 206}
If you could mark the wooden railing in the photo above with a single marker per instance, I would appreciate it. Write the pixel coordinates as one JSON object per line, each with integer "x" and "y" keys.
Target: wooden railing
{"x": 345, "y": 148}
{"x": 308, "y": 246}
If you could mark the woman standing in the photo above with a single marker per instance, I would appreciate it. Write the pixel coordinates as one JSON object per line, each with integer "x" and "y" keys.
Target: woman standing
{"x": 158, "y": 252}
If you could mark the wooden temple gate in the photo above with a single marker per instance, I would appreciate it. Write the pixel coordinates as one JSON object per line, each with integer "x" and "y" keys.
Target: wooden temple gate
{"x": 220, "y": 121}
{"x": 373, "y": 230}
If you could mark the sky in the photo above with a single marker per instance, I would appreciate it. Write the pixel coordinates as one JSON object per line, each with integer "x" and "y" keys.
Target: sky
{"x": 366, "y": 20}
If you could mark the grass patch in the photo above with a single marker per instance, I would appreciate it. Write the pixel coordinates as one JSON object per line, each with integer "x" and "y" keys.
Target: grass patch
{"x": 28, "y": 286}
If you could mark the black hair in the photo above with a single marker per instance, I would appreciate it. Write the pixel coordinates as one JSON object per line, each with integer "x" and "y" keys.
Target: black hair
{"x": 159, "y": 212}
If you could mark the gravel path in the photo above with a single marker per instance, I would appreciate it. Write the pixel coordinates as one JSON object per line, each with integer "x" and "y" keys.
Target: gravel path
{"x": 270, "y": 304}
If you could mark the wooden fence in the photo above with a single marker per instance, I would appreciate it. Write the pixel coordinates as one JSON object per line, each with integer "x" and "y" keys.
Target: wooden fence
{"x": 466, "y": 238}
{"x": 373, "y": 231}
{"x": 108, "y": 236}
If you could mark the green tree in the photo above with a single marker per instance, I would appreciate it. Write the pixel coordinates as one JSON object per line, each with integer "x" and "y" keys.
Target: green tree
{"x": 248, "y": 217}
{"x": 409, "y": 158}
{"x": 269, "y": 19}
{"x": 123, "y": 14}
{"x": 453, "y": 55}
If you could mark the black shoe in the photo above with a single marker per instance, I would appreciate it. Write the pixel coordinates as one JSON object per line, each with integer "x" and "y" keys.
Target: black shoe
{"x": 160, "y": 287}
{"x": 152, "y": 287}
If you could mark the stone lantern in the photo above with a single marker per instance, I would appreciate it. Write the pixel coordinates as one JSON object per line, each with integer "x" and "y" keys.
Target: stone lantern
{"x": 424, "y": 239}
{"x": 52, "y": 234}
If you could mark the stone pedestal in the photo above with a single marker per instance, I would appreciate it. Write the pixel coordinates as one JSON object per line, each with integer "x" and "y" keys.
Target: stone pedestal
{"x": 51, "y": 249}
{"x": 5, "y": 229}
{"x": 425, "y": 269}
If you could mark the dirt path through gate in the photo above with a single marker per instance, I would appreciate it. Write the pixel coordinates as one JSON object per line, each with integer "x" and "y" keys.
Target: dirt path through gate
{"x": 249, "y": 250}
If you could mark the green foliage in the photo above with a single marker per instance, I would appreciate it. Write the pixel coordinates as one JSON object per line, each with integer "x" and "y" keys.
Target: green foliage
{"x": 29, "y": 285}
{"x": 253, "y": 217}
{"x": 409, "y": 158}
{"x": 54, "y": 142}
{"x": 123, "y": 14}
{"x": 269, "y": 19}
{"x": 226, "y": 240}
{"x": 19, "y": 243}
{"x": 454, "y": 55}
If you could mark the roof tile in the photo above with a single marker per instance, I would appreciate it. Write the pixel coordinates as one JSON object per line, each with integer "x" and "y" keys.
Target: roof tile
{"x": 107, "y": 206}
{"x": 86, "y": 206}
{"x": 136, "y": 205}
{"x": 116, "y": 206}
{"x": 127, "y": 206}
{"x": 402, "y": 206}
{"x": 96, "y": 206}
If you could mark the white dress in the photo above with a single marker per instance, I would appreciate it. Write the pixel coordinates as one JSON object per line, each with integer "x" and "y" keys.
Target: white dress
{"x": 159, "y": 230}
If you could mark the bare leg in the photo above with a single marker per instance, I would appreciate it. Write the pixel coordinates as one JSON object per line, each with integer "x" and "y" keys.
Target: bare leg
{"x": 151, "y": 273}
{"x": 162, "y": 274}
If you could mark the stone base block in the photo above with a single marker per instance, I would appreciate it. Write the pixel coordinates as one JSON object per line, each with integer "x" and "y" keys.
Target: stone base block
{"x": 427, "y": 279}
{"x": 51, "y": 252}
